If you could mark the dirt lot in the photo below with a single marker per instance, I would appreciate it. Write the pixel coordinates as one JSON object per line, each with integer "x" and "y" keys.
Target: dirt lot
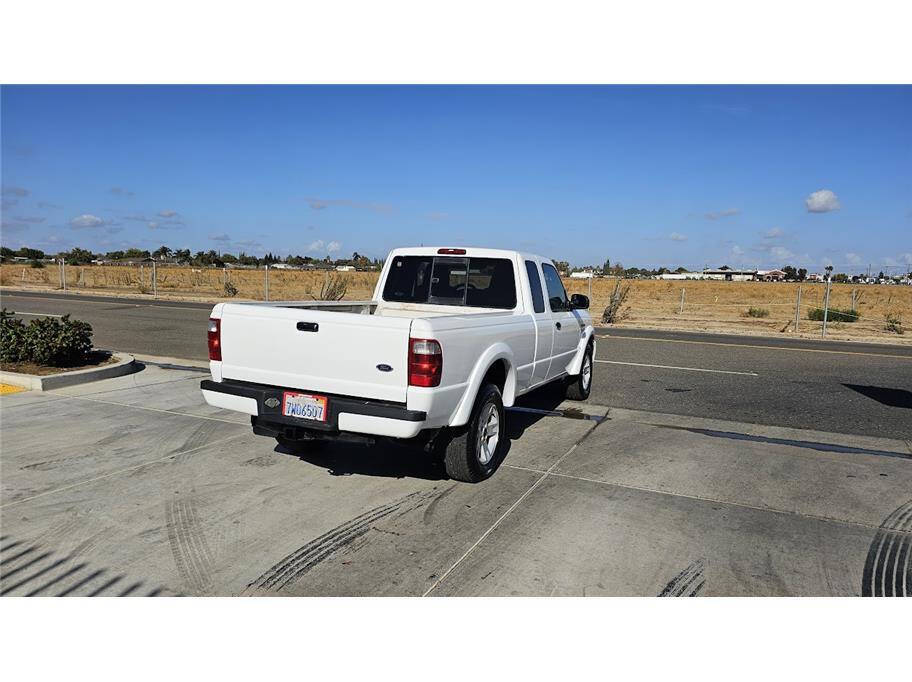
{"x": 708, "y": 306}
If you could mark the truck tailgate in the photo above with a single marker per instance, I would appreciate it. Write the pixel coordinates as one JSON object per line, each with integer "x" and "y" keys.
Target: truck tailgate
{"x": 314, "y": 350}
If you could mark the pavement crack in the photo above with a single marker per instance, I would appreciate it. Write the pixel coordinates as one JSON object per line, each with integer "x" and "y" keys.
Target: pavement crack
{"x": 513, "y": 506}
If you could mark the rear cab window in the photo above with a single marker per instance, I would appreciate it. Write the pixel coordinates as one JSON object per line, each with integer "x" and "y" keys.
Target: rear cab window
{"x": 538, "y": 301}
{"x": 446, "y": 280}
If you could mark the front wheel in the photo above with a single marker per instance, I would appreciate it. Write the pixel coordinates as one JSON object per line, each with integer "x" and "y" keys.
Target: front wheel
{"x": 474, "y": 451}
{"x": 580, "y": 385}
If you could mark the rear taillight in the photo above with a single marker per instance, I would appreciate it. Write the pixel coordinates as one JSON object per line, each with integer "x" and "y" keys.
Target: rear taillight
{"x": 425, "y": 362}
{"x": 215, "y": 339}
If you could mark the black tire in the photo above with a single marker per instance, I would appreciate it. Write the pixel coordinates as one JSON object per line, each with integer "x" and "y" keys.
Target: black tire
{"x": 464, "y": 455}
{"x": 301, "y": 446}
{"x": 580, "y": 386}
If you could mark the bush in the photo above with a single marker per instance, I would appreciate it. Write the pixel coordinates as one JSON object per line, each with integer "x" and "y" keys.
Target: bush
{"x": 893, "y": 323}
{"x": 230, "y": 289}
{"x": 333, "y": 289}
{"x": 37, "y": 264}
{"x": 834, "y": 315}
{"x": 612, "y": 312}
{"x": 757, "y": 312}
{"x": 47, "y": 341}
{"x": 12, "y": 337}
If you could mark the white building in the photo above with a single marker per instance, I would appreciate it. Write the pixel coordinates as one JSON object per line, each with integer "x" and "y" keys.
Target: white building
{"x": 581, "y": 275}
{"x": 345, "y": 268}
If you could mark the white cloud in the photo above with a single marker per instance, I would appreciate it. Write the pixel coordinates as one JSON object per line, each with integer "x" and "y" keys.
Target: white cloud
{"x": 853, "y": 259}
{"x": 315, "y": 246}
{"x": 780, "y": 253}
{"x": 168, "y": 213}
{"x": 715, "y": 215}
{"x": 319, "y": 204}
{"x": 332, "y": 247}
{"x": 774, "y": 233}
{"x": 10, "y": 191}
{"x": 677, "y": 237}
{"x": 822, "y": 201}
{"x": 86, "y": 220}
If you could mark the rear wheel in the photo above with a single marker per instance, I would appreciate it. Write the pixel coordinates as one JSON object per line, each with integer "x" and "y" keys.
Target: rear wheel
{"x": 579, "y": 386}
{"x": 473, "y": 452}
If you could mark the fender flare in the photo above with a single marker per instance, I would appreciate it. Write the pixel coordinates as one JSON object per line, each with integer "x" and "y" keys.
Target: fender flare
{"x": 577, "y": 363}
{"x": 498, "y": 351}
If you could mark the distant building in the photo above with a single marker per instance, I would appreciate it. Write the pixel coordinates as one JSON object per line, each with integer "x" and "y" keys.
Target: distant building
{"x": 345, "y": 268}
{"x": 730, "y": 275}
{"x": 770, "y": 275}
{"x": 582, "y": 274}
{"x": 815, "y": 277}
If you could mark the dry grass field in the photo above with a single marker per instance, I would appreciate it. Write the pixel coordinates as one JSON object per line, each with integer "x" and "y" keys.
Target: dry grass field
{"x": 708, "y": 305}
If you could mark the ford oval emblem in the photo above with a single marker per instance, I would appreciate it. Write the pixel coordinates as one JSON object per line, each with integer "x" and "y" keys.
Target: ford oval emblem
{"x": 384, "y": 368}
{"x": 271, "y": 402}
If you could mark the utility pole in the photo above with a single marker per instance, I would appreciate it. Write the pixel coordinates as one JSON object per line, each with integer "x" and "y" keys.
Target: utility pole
{"x": 826, "y": 299}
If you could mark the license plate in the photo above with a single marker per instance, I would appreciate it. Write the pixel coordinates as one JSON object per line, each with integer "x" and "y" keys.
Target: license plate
{"x": 304, "y": 406}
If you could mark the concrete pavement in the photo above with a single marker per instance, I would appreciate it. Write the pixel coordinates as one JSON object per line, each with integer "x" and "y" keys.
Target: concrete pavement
{"x": 134, "y": 485}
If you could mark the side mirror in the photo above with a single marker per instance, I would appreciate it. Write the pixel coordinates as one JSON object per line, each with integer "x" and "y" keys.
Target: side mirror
{"x": 579, "y": 302}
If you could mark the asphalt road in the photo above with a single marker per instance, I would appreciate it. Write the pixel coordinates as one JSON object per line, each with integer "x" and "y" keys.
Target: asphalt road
{"x": 839, "y": 387}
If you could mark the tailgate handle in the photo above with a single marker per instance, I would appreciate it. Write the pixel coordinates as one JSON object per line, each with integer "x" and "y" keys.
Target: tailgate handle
{"x": 308, "y": 327}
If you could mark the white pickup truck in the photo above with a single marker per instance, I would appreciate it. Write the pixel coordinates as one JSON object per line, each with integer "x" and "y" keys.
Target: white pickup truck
{"x": 451, "y": 336}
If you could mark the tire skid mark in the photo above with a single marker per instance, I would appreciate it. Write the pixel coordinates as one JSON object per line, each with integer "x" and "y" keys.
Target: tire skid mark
{"x": 688, "y": 582}
{"x": 339, "y": 539}
{"x": 887, "y": 571}
{"x": 189, "y": 547}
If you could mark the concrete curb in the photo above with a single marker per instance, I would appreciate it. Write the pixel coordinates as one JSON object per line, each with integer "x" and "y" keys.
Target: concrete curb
{"x": 125, "y": 365}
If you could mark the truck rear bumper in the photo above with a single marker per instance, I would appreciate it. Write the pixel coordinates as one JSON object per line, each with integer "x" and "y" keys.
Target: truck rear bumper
{"x": 355, "y": 415}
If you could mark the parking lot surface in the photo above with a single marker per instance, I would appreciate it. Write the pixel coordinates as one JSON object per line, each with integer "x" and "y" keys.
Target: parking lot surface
{"x": 134, "y": 486}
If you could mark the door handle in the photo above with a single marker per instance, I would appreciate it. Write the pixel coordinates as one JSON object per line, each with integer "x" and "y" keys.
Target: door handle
{"x": 557, "y": 324}
{"x": 308, "y": 327}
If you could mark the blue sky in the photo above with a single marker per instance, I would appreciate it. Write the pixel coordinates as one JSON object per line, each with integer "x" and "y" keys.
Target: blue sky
{"x": 642, "y": 175}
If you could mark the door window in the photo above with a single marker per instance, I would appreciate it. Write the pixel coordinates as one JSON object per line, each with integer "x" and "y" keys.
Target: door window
{"x": 557, "y": 296}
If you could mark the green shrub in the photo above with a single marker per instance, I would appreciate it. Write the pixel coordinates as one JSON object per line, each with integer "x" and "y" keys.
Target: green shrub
{"x": 12, "y": 337}
{"x": 37, "y": 264}
{"x": 758, "y": 312}
{"x": 45, "y": 341}
{"x": 834, "y": 315}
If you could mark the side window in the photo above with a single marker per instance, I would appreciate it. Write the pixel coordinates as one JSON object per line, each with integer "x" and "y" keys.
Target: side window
{"x": 538, "y": 301}
{"x": 557, "y": 296}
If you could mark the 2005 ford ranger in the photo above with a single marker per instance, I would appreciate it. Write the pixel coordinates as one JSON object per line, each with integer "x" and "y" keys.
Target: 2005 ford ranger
{"x": 451, "y": 336}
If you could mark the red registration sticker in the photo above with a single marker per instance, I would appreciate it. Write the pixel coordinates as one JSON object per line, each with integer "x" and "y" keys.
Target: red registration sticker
{"x": 305, "y": 406}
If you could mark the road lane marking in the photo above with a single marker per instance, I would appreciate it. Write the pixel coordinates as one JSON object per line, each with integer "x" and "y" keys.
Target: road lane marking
{"x": 686, "y": 369}
{"x": 753, "y": 345}
{"x": 19, "y": 312}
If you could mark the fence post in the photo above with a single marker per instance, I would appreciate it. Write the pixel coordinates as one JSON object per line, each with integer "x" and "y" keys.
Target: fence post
{"x": 797, "y": 308}
{"x": 154, "y": 281}
{"x": 63, "y": 260}
{"x": 267, "y": 281}
{"x": 682, "y": 301}
{"x": 826, "y": 306}
{"x": 853, "y": 299}
{"x": 590, "y": 286}
{"x": 59, "y": 271}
